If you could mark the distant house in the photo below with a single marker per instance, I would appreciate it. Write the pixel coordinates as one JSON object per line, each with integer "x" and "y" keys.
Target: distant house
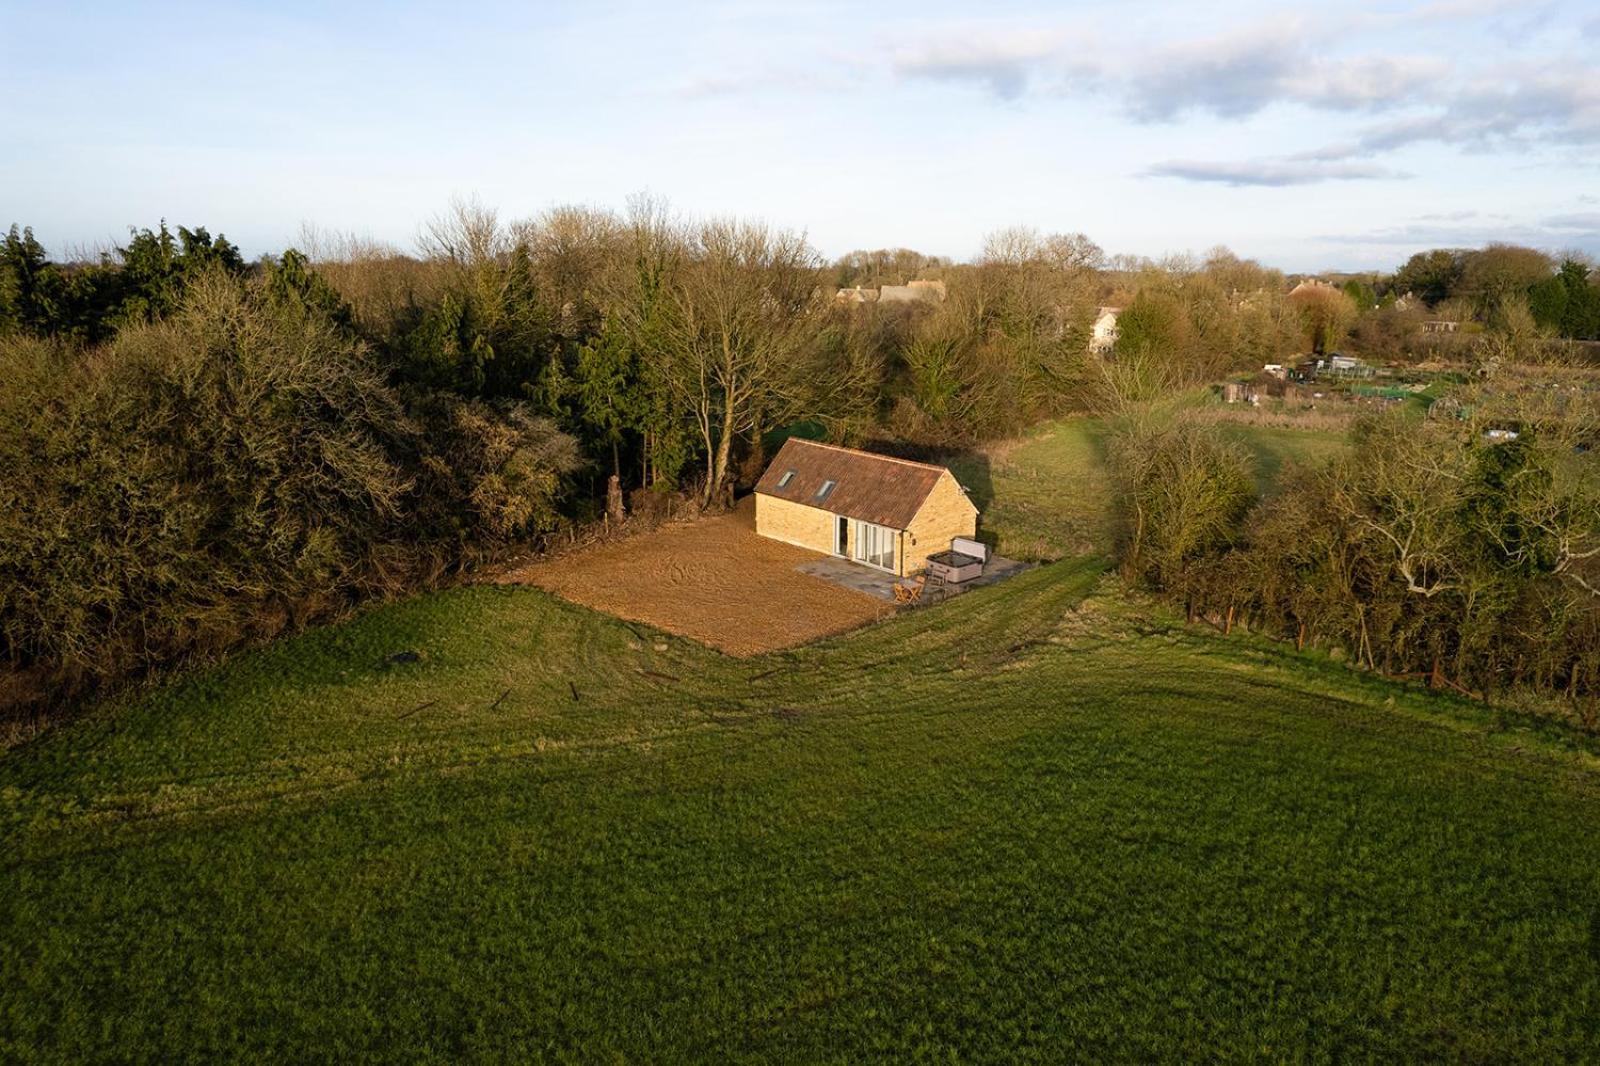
{"x": 887, "y": 513}
{"x": 1103, "y": 337}
{"x": 911, "y": 292}
{"x": 933, "y": 291}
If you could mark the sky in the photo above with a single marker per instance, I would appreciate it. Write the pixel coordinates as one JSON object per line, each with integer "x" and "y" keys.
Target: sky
{"x": 1311, "y": 137}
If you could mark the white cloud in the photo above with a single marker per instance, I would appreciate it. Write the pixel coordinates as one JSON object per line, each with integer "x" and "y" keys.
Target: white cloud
{"x": 1003, "y": 63}
{"x": 1424, "y": 93}
{"x": 1271, "y": 173}
{"x": 1374, "y": 83}
{"x": 1582, "y": 221}
{"x": 1570, "y": 231}
{"x": 747, "y": 82}
{"x": 1232, "y": 75}
{"x": 1553, "y": 103}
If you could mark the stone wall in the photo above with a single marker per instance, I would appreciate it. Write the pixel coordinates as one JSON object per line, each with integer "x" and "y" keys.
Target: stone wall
{"x": 795, "y": 523}
{"x": 945, "y": 515}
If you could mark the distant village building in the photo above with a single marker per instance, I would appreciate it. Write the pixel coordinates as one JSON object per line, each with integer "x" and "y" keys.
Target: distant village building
{"x": 911, "y": 291}
{"x": 1103, "y": 337}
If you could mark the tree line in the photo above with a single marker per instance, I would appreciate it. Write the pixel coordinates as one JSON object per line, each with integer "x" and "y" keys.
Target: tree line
{"x": 1562, "y": 296}
{"x": 1460, "y": 551}
{"x": 200, "y": 449}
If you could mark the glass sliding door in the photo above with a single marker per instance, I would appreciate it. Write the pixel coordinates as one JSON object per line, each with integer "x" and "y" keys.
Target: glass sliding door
{"x": 874, "y": 545}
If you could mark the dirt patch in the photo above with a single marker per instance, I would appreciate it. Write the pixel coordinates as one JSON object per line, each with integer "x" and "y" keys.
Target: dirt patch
{"x": 713, "y": 580}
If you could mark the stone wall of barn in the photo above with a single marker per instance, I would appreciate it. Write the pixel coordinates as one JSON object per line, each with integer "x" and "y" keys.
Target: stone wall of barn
{"x": 945, "y": 515}
{"x": 795, "y": 523}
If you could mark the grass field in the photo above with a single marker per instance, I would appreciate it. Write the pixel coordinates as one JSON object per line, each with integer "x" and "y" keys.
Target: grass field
{"x": 1037, "y": 821}
{"x": 1047, "y": 495}
{"x": 1041, "y": 821}
{"x": 1273, "y": 446}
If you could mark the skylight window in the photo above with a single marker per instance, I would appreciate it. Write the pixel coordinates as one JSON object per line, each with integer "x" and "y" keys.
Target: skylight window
{"x": 827, "y": 487}
{"x": 788, "y": 476}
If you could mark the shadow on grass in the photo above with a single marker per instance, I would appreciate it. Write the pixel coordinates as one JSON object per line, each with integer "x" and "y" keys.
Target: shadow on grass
{"x": 975, "y": 472}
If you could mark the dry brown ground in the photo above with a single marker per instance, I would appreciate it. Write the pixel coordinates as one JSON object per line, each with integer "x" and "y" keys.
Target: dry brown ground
{"x": 713, "y": 580}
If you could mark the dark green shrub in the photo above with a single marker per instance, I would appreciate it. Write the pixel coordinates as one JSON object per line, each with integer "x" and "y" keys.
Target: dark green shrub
{"x": 238, "y": 467}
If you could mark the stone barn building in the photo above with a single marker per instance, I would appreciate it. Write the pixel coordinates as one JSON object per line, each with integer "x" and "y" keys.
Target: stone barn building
{"x": 872, "y": 509}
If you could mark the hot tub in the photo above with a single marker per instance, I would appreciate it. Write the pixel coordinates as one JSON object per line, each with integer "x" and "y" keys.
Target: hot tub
{"x": 953, "y": 567}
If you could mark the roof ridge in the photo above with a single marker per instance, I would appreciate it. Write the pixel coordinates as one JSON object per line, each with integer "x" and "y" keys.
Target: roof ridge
{"x": 873, "y": 455}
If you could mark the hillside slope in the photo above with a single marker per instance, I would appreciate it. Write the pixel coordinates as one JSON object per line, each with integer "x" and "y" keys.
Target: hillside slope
{"x": 1038, "y": 821}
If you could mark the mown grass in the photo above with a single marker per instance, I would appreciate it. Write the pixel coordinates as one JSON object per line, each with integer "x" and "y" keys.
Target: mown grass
{"x": 1048, "y": 494}
{"x": 1045, "y": 496}
{"x": 1037, "y": 822}
{"x": 1273, "y": 446}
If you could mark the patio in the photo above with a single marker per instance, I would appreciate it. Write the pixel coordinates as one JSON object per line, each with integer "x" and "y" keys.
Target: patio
{"x": 872, "y": 582}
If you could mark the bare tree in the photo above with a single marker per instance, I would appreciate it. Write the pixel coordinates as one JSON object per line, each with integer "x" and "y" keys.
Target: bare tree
{"x": 740, "y": 321}
{"x": 382, "y": 284}
{"x": 1513, "y": 338}
{"x": 1032, "y": 305}
{"x": 572, "y": 247}
{"x": 1409, "y": 491}
{"x": 639, "y": 279}
{"x": 1497, "y": 271}
{"x": 1326, "y": 314}
{"x": 468, "y": 234}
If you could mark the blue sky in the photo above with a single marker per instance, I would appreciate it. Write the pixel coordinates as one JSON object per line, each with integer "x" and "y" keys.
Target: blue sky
{"x": 1307, "y": 136}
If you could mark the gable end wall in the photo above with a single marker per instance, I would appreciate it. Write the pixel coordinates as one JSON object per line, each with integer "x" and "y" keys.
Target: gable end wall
{"x": 944, "y": 515}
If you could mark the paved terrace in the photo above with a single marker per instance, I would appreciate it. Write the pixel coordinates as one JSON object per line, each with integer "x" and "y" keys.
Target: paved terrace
{"x": 876, "y": 583}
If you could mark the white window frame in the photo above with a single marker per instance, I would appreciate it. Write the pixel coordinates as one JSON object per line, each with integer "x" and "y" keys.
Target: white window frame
{"x": 871, "y": 543}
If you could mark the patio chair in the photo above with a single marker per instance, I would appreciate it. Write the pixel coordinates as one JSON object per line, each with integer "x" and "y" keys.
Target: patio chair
{"x": 908, "y": 594}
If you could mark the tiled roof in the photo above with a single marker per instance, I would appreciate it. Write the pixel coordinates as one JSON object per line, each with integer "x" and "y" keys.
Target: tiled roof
{"x": 872, "y": 488}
